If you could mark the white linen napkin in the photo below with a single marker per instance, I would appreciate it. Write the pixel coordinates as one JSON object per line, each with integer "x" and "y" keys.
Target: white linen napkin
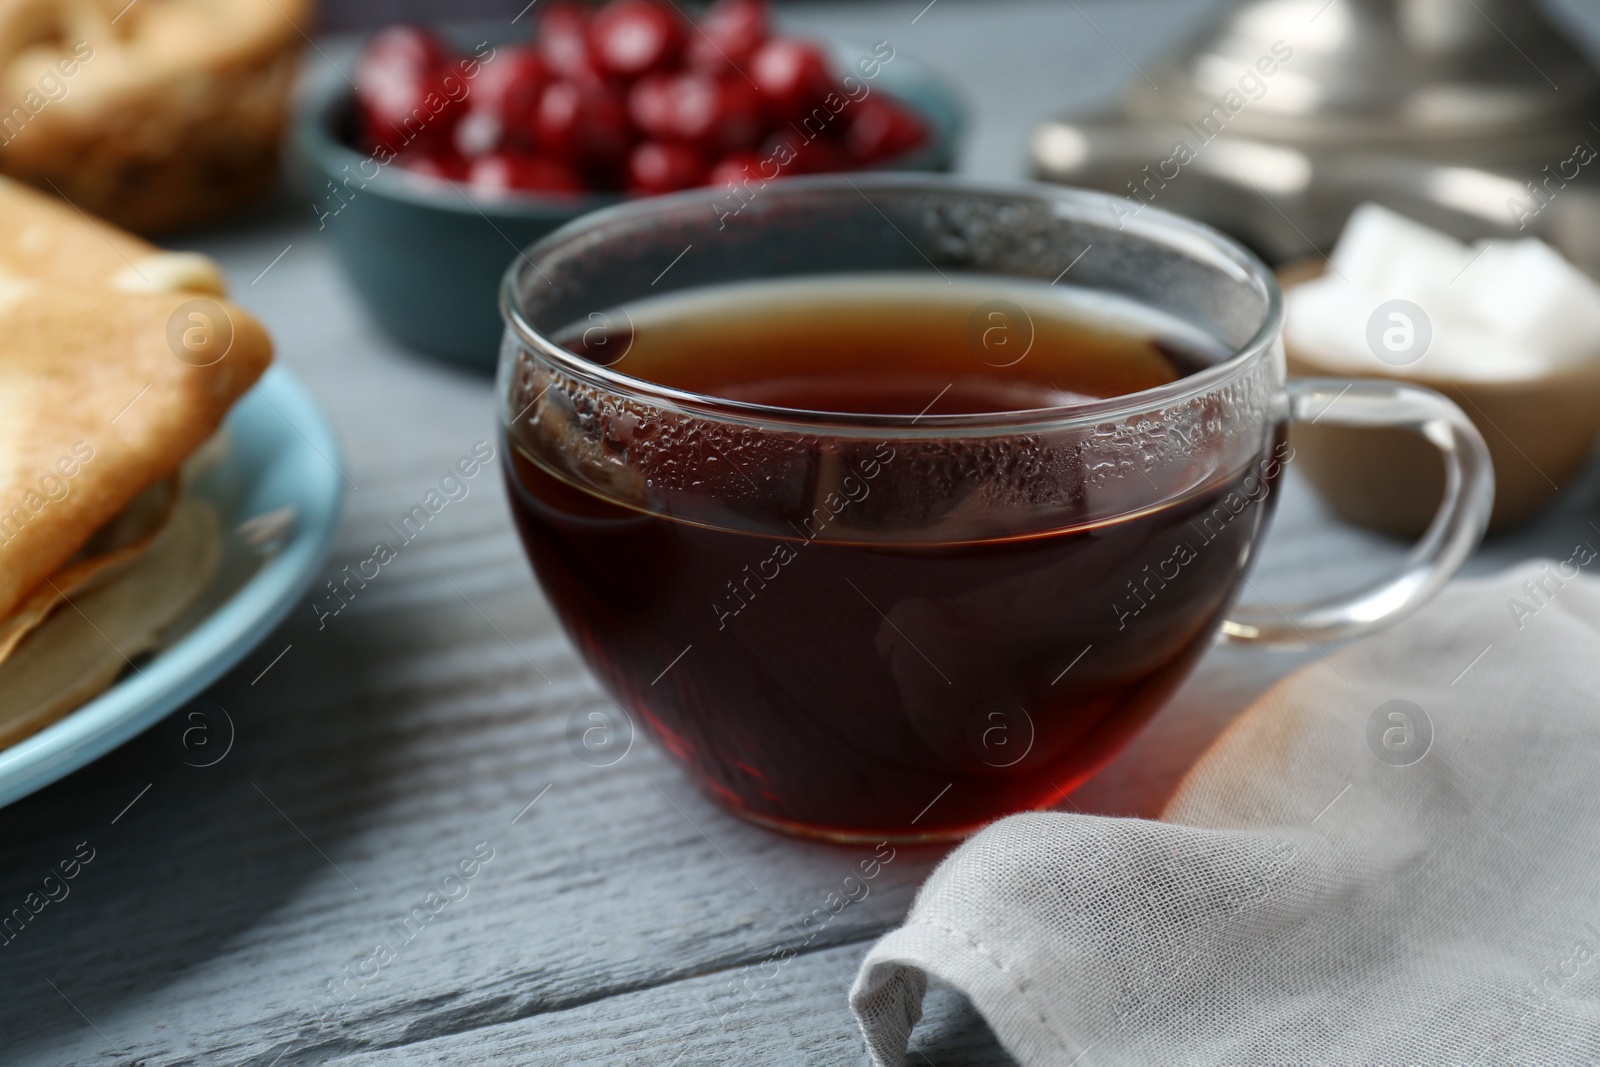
{"x": 1392, "y": 858}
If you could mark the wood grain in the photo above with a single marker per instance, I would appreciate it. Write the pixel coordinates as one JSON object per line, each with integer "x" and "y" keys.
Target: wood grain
{"x": 793, "y": 1013}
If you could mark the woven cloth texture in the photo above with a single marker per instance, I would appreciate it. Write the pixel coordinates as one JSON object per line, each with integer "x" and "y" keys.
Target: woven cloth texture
{"x": 1393, "y": 857}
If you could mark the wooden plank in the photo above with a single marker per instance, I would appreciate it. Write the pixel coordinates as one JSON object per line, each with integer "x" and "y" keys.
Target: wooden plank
{"x": 778, "y": 1011}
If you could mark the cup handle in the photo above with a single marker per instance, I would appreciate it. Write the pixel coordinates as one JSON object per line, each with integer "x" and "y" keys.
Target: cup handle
{"x": 1455, "y": 532}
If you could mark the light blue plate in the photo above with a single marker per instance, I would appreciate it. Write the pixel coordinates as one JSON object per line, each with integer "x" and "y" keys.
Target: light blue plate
{"x": 282, "y": 455}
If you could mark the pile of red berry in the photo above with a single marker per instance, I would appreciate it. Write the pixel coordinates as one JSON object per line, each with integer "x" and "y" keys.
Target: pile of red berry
{"x": 630, "y": 97}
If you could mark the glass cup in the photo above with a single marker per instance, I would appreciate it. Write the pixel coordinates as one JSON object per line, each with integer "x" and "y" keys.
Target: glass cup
{"x": 869, "y": 627}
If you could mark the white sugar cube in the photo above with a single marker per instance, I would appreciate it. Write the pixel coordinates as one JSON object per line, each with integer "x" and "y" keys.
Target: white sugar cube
{"x": 1325, "y": 319}
{"x": 1526, "y": 292}
{"x": 1388, "y": 254}
{"x": 1501, "y": 310}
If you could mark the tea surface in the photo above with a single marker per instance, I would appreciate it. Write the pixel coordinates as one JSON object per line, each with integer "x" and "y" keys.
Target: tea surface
{"x": 894, "y": 344}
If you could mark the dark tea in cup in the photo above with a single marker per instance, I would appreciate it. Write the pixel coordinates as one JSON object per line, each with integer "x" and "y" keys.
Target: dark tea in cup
{"x": 833, "y": 663}
{"x": 884, "y": 533}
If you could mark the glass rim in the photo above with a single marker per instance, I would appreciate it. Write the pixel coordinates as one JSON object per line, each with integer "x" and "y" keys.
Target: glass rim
{"x": 1154, "y": 224}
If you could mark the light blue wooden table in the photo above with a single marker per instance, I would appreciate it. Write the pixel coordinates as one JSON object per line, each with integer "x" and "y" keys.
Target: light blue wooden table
{"x": 251, "y": 912}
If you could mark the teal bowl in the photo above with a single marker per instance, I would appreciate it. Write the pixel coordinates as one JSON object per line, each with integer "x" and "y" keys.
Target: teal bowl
{"x": 427, "y": 255}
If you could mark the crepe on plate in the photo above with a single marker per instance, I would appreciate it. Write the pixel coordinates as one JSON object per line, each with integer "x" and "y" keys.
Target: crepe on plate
{"x": 119, "y": 362}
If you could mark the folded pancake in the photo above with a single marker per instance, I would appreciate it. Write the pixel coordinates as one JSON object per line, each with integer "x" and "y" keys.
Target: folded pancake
{"x": 82, "y": 648}
{"x": 48, "y": 239}
{"x": 119, "y": 360}
{"x": 122, "y": 539}
{"x": 96, "y": 407}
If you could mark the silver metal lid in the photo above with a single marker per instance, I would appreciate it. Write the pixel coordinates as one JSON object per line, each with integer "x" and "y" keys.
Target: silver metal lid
{"x": 1285, "y": 114}
{"x": 1380, "y": 70}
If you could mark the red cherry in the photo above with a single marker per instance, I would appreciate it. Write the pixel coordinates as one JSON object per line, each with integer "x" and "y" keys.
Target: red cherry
{"x": 651, "y": 103}
{"x": 404, "y": 47}
{"x": 446, "y": 166}
{"x": 503, "y": 102}
{"x": 792, "y": 154}
{"x": 792, "y": 76}
{"x": 582, "y": 123}
{"x": 661, "y": 167}
{"x": 563, "y": 40}
{"x": 882, "y": 130}
{"x": 630, "y": 37}
{"x": 479, "y": 132}
{"x": 406, "y": 96}
{"x": 730, "y": 32}
{"x": 507, "y": 171}
{"x": 715, "y": 114}
{"x": 736, "y": 169}
{"x": 509, "y": 85}
{"x": 739, "y": 119}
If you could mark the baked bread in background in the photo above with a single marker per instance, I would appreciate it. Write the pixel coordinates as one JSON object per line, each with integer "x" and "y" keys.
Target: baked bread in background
{"x": 158, "y": 115}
